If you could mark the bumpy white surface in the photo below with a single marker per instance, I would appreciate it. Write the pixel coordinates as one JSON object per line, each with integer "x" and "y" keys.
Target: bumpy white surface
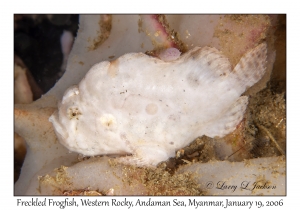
{"x": 148, "y": 108}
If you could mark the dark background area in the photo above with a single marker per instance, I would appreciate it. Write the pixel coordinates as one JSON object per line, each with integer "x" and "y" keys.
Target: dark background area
{"x": 37, "y": 44}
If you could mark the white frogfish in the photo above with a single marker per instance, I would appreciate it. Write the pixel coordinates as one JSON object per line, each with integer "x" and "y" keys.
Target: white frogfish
{"x": 145, "y": 108}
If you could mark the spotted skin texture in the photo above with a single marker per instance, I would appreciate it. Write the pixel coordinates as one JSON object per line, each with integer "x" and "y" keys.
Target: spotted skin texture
{"x": 144, "y": 108}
